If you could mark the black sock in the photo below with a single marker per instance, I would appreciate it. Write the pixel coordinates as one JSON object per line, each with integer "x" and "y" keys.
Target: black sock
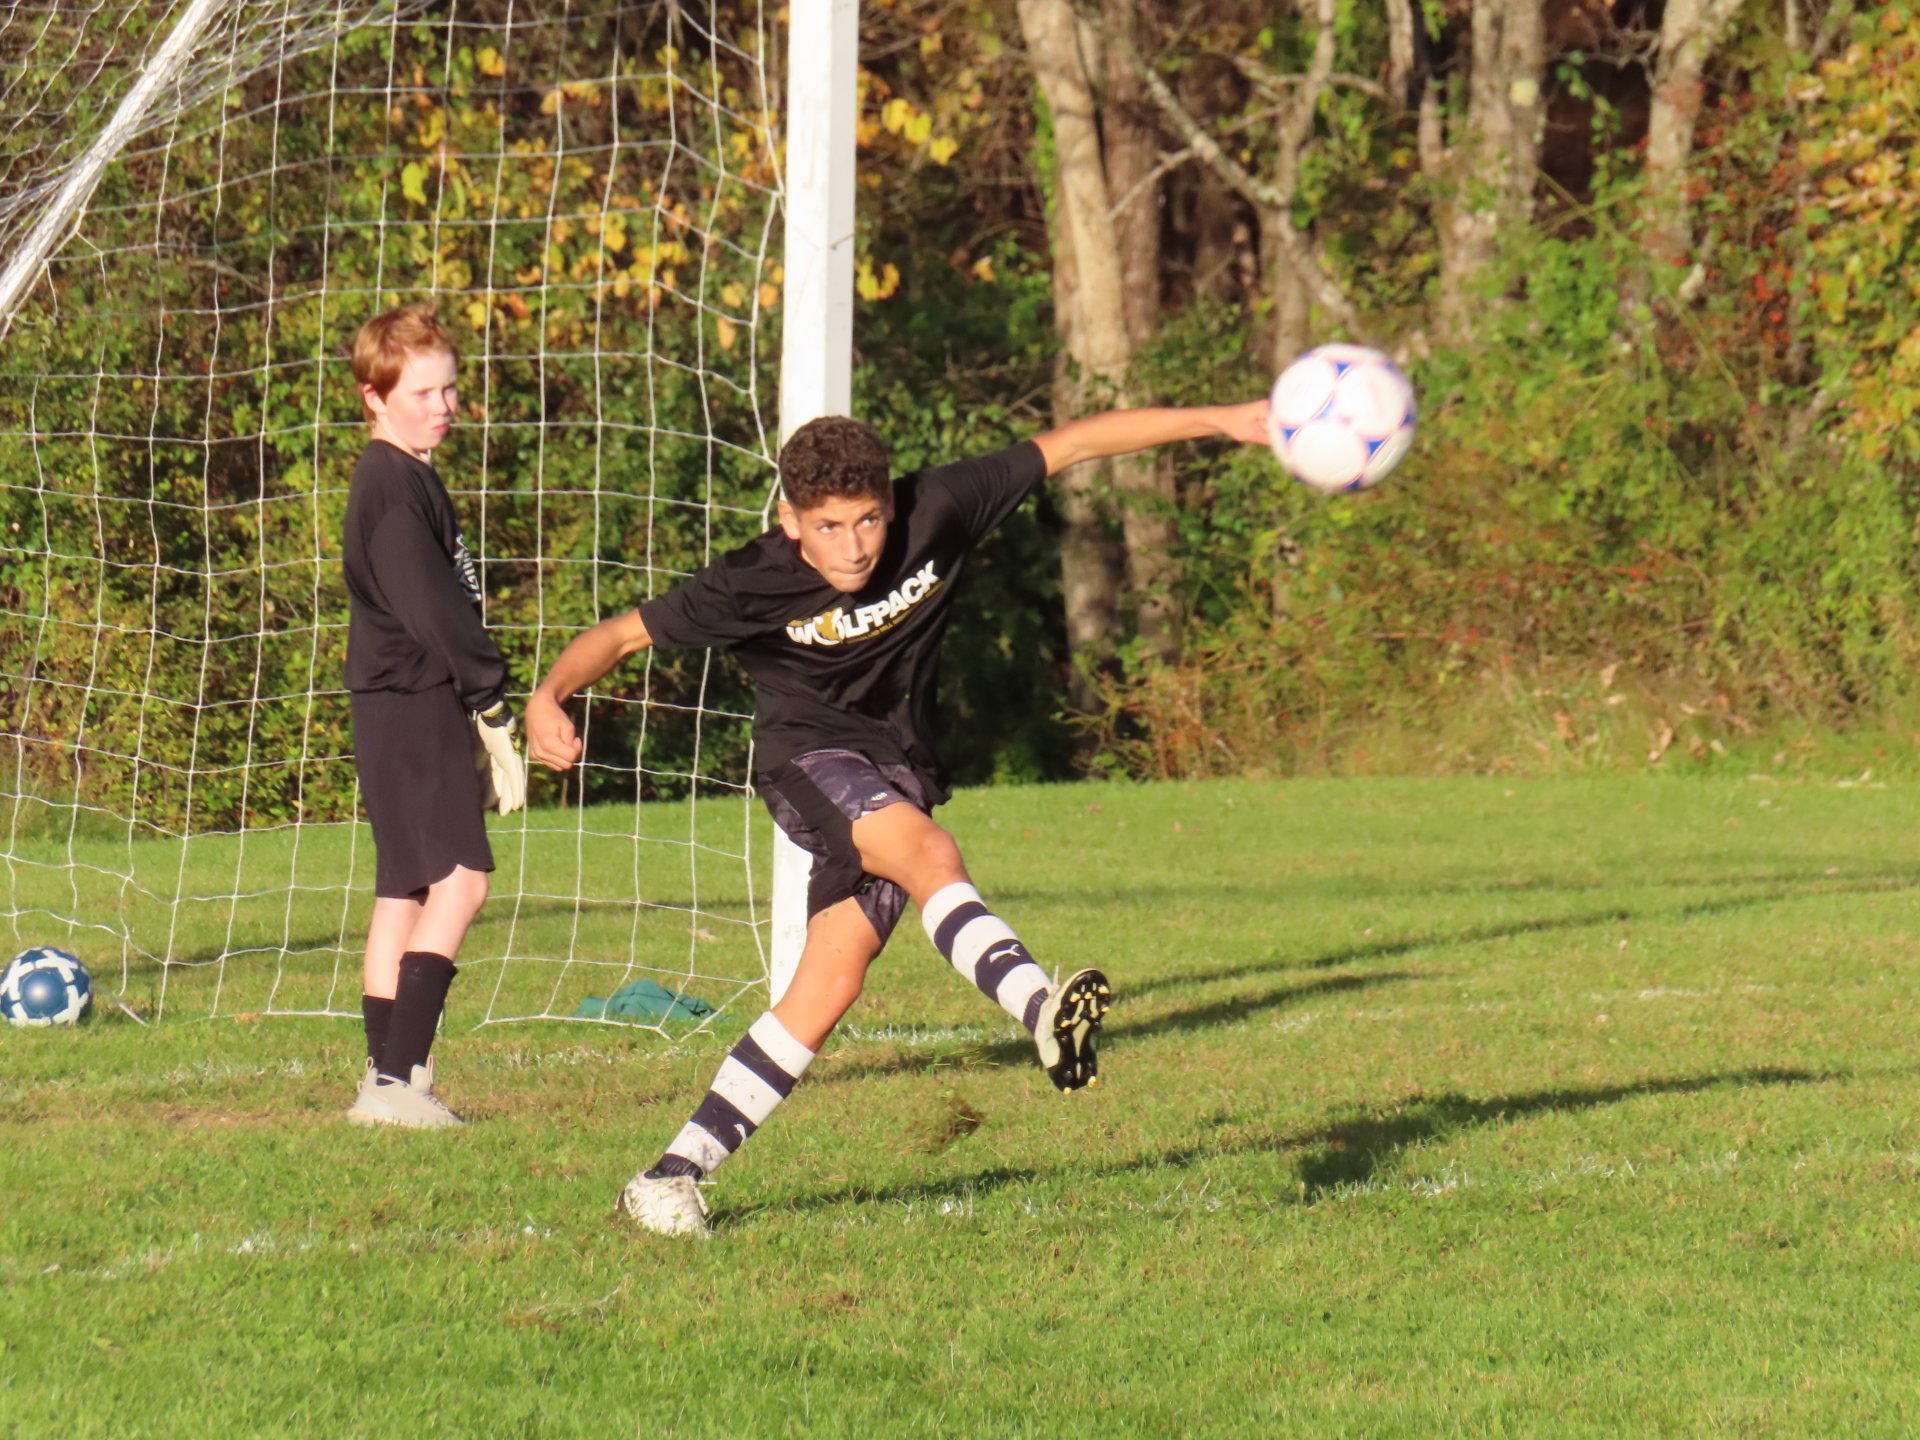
{"x": 377, "y": 1015}
{"x": 417, "y": 1002}
{"x": 675, "y": 1165}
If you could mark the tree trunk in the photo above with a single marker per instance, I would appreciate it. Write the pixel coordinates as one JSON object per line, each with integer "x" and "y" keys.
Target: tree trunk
{"x": 1131, "y": 156}
{"x": 1287, "y": 288}
{"x": 1688, "y": 33}
{"x": 1097, "y": 336}
{"x": 1092, "y": 559}
{"x": 1488, "y": 170}
{"x": 1400, "y": 51}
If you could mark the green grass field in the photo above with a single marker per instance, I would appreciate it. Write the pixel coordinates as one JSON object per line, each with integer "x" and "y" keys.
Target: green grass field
{"x": 1463, "y": 1107}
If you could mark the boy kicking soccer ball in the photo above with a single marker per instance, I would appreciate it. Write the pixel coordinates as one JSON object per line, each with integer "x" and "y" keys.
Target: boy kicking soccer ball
{"x": 433, "y": 738}
{"x": 837, "y": 616}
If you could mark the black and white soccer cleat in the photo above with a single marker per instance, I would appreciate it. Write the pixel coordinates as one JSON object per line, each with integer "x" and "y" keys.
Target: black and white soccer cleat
{"x": 1069, "y": 1020}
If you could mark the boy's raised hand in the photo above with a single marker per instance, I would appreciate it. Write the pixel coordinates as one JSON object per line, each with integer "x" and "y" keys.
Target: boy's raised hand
{"x": 1246, "y": 423}
{"x": 551, "y": 738}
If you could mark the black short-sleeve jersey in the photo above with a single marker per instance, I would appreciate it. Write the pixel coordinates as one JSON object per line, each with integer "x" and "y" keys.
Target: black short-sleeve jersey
{"x": 861, "y": 670}
{"x": 413, "y": 613}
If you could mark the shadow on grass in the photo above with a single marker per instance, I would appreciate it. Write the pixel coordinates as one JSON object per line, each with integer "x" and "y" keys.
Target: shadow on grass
{"x": 1350, "y": 1152}
{"x": 1483, "y": 934}
{"x": 1197, "y": 1017}
{"x": 1340, "y": 1155}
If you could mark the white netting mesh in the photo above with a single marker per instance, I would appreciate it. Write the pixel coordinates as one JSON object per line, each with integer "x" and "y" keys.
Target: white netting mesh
{"x": 588, "y": 191}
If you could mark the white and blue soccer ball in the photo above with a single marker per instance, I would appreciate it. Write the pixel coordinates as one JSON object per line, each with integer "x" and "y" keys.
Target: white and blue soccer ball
{"x": 45, "y": 986}
{"x": 1341, "y": 418}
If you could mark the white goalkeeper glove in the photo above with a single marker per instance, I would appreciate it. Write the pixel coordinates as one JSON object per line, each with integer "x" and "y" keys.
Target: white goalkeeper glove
{"x": 503, "y": 774}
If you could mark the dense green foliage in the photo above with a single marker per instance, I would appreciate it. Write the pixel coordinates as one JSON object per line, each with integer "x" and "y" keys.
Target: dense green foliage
{"x": 1649, "y": 517}
{"x": 1658, "y": 517}
{"x": 1486, "y": 1107}
{"x": 1661, "y": 517}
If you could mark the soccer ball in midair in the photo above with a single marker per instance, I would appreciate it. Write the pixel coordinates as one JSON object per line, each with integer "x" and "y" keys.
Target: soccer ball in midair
{"x": 45, "y": 986}
{"x": 1341, "y": 418}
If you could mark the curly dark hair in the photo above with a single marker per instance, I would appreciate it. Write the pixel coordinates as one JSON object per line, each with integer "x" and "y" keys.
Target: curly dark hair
{"x": 834, "y": 458}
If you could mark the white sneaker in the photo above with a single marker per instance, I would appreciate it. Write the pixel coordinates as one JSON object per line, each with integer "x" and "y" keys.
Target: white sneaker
{"x": 666, "y": 1205}
{"x": 367, "y": 1108}
{"x": 410, "y": 1104}
{"x": 1064, "y": 1032}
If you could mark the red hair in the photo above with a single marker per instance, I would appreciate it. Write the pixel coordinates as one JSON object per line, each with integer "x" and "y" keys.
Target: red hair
{"x": 381, "y": 348}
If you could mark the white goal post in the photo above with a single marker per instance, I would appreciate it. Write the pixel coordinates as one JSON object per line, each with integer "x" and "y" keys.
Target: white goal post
{"x": 816, "y": 353}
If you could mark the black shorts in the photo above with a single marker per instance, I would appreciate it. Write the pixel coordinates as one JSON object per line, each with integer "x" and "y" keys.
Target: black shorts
{"x": 418, "y": 781}
{"x": 815, "y": 798}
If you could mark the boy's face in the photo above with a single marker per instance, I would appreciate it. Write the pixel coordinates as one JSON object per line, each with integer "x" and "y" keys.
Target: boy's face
{"x": 842, "y": 539}
{"x": 417, "y": 412}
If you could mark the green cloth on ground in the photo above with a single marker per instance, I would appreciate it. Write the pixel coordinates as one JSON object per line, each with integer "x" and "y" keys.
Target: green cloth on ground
{"x": 641, "y": 1000}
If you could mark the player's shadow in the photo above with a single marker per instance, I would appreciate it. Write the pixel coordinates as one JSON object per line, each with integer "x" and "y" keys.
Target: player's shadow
{"x": 1336, "y": 1156}
{"x": 1119, "y": 1030}
{"x": 1485, "y": 934}
{"x": 1350, "y": 1152}
{"x": 1238, "y": 1008}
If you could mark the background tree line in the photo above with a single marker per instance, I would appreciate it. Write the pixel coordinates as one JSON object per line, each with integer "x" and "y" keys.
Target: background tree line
{"x": 1648, "y": 265}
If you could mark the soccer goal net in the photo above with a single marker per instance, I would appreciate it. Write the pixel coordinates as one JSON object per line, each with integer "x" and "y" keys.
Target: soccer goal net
{"x": 202, "y": 202}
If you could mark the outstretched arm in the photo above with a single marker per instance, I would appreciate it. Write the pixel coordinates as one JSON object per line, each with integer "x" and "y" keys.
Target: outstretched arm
{"x": 1121, "y": 432}
{"x": 551, "y": 738}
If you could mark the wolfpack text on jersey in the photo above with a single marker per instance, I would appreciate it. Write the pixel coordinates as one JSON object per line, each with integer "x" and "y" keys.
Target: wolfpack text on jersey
{"x": 866, "y": 621}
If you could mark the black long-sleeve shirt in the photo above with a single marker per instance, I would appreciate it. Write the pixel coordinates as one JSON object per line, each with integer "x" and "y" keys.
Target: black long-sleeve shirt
{"x": 413, "y": 618}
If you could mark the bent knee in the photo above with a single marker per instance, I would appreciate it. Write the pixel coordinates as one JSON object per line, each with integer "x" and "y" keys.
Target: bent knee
{"x": 935, "y": 857}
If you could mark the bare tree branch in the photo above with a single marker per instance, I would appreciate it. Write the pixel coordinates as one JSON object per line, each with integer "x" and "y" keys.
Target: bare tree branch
{"x": 1168, "y": 161}
{"x": 1273, "y": 199}
{"x": 1274, "y": 84}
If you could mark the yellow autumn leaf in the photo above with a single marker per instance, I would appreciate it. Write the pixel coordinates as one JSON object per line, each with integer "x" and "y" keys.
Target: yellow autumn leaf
{"x": 733, "y": 295}
{"x": 477, "y": 314}
{"x": 895, "y": 115}
{"x": 930, "y": 45}
{"x": 872, "y": 286}
{"x": 769, "y": 296}
{"x": 413, "y": 182}
{"x": 942, "y": 150}
{"x": 983, "y": 269}
{"x": 728, "y": 332}
{"x": 919, "y": 128}
{"x": 491, "y": 62}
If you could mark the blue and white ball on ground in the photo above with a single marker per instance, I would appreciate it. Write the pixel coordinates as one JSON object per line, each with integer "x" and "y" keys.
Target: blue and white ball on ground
{"x": 45, "y": 986}
{"x": 1341, "y": 418}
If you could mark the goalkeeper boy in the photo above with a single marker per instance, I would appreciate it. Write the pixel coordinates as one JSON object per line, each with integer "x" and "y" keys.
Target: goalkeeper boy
{"x": 837, "y": 615}
{"x": 433, "y": 737}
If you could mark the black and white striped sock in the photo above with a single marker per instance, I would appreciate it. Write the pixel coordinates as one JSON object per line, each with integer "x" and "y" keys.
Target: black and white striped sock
{"x": 757, "y": 1075}
{"x": 984, "y": 949}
